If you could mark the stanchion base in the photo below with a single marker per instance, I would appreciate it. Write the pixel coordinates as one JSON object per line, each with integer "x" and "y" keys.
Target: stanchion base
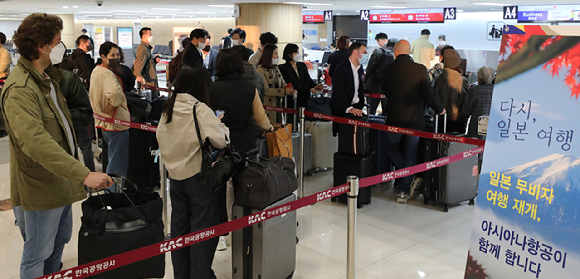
{"x": 333, "y": 199}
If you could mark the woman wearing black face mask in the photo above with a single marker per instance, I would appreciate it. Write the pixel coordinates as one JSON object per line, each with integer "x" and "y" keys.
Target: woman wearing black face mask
{"x": 108, "y": 100}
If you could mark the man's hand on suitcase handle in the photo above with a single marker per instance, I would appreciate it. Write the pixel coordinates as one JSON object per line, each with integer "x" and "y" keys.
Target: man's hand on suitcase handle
{"x": 356, "y": 112}
{"x": 443, "y": 112}
{"x": 98, "y": 181}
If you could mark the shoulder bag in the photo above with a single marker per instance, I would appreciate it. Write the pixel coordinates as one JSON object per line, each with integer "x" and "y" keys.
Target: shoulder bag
{"x": 217, "y": 166}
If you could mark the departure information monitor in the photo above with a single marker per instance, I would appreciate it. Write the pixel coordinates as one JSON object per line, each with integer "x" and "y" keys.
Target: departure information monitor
{"x": 552, "y": 13}
{"x": 407, "y": 16}
{"x": 313, "y": 17}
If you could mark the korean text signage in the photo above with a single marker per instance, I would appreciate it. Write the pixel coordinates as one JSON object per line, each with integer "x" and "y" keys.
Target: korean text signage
{"x": 527, "y": 219}
{"x": 407, "y": 16}
{"x": 313, "y": 17}
{"x": 549, "y": 13}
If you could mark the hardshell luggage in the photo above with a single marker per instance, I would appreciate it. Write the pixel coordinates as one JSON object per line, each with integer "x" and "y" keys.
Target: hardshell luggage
{"x": 452, "y": 183}
{"x": 267, "y": 249}
{"x": 307, "y": 151}
{"x": 324, "y": 145}
{"x": 264, "y": 181}
{"x": 143, "y": 168}
{"x": 354, "y": 140}
{"x": 381, "y": 160}
{"x": 114, "y": 223}
{"x": 346, "y": 165}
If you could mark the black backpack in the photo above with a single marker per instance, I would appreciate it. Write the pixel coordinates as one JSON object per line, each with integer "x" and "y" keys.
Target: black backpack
{"x": 382, "y": 62}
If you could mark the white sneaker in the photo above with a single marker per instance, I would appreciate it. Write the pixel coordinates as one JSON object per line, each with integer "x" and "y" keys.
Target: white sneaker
{"x": 222, "y": 246}
{"x": 416, "y": 187}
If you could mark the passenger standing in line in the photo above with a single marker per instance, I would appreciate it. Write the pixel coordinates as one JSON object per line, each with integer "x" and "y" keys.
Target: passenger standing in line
{"x": 478, "y": 101}
{"x": 108, "y": 100}
{"x": 296, "y": 72}
{"x": 406, "y": 86}
{"x": 250, "y": 74}
{"x": 5, "y": 58}
{"x": 209, "y": 56}
{"x": 274, "y": 84}
{"x": 193, "y": 208}
{"x": 265, "y": 38}
{"x": 451, "y": 88}
{"x": 125, "y": 74}
{"x": 438, "y": 68}
{"x": 193, "y": 51}
{"x": 78, "y": 103}
{"x": 45, "y": 175}
{"x": 423, "y": 51}
{"x": 227, "y": 40}
{"x": 340, "y": 55}
{"x": 441, "y": 42}
{"x": 83, "y": 62}
{"x": 239, "y": 38}
{"x": 378, "y": 60}
{"x": 144, "y": 65}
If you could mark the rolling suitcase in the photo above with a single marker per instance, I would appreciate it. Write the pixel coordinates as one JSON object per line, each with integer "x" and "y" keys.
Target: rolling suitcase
{"x": 354, "y": 140}
{"x": 143, "y": 169}
{"x": 267, "y": 249}
{"x": 346, "y": 165}
{"x": 381, "y": 160}
{"x": 307, "y": 151}
{"x": 324, "y": 145}
{"x": 452, "y": 183}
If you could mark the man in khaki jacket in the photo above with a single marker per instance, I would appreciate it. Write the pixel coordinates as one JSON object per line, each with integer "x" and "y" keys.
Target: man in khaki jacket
{"x": 45, "y": 175}
{"x": 144, "y": 65}
{"x": 423, "y": 51}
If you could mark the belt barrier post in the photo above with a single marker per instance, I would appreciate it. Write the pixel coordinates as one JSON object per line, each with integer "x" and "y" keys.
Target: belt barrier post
{"x": 165, "y": 195}
{"x": 351, "y": 235}
{"x": 301, "y": 154}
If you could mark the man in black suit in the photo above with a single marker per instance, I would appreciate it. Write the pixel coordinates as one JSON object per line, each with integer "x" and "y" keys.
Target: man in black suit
{"x": 209, "y": 56}
{"x": 406, "y": 86}
{"x": 347, "y": 84}
{"x": 193, "y": 52}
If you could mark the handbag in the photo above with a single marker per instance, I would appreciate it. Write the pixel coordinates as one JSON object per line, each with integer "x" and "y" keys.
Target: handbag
{"x": 114, "y": 223}
{"x": 264, "y": 181}
{"x": 217, "y": 166}
{"x": 280, "y": 141}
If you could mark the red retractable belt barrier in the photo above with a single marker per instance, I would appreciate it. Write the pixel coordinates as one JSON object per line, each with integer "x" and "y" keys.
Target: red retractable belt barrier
{"x": 373, "y": 95}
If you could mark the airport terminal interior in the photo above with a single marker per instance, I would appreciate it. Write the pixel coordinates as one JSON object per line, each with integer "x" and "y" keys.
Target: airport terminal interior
{"x": 393, "y": 240}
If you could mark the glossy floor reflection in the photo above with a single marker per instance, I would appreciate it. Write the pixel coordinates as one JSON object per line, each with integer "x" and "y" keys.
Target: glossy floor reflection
{"x": 393, "y": 241}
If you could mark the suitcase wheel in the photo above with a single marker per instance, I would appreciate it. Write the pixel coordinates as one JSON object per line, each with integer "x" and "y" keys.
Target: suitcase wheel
{"x": 446, "y": 208}
{"x": 333, "y": 199}
{"x": 471, "y": 202}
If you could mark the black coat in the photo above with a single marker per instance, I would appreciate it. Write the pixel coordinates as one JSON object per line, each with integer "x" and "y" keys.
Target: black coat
{"x": 235, "y": 96}
{"x": 406, "y": 86}
{"x": 84, "y": 65}
{"x": 343, "y": 89}
{"x": 379, "y": 58}
{"x": 335, "y": 59}
{"x": 191, "y": 55}
{"x": 302, "y": 83}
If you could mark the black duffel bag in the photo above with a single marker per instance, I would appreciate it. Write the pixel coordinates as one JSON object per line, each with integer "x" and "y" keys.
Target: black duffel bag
{"x": 113, "y": 223}
{"x": 264, "y": 181}
{"x": 317, "y": 103}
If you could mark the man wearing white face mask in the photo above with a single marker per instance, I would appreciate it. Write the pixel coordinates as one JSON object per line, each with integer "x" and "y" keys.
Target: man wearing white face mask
{"x": 193, "y": 53}
{"x": 45, "y": 176}
{"x": 144, "y": 65}
{"x": 347, "y": 84}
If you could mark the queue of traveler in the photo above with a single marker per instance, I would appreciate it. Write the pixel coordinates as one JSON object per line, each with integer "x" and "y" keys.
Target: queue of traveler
{"x": 47, "y": 110}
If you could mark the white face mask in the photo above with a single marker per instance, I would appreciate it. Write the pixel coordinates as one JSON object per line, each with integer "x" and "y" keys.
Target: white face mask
{"x": 150, "y": 39}
{"x": 57, "y": 53}
{"x": 364, "y": 59}
{"x": 235, "y": 42}
{"x": 296, "y": 57}
{"x": 442, "y": 43}
{"x": 275, "y": 61}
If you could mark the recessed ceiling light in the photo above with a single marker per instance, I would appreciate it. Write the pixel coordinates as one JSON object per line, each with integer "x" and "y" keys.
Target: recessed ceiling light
{"x": 490, "y": 4}
{"x": 221, "y": 6}
{"x": 76, "y": 7}
{"x": 95, "y": 12}
{"x": 65, "y": 7}
{"x": 166, "y": 9}
{"x": 203, "y": 13}
{"x": 127, "y": 11}
{"x": 387, "y": 7}
{"x": 308, "y": 4}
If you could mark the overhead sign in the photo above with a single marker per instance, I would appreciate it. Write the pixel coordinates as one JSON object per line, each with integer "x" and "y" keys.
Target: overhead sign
{"x": 552, "y": 13}
{"x": 125, "y": 37}
{"x": 527, "y": 217}
{"x": 494, "y": 30}
{"x": 364, "y": 14}
{"x": 407, "y": 16}
{"x": 510, "y": 12}
{"x": 327, "y": 15}
{"x": 313, "y": 17}
{"x": 450, "y": 13}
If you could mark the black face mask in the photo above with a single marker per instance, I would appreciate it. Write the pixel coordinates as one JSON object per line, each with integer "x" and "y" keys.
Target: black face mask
{"x": 90, "y": 47}
{"x": 114, "y": 63}
{"x": 207, "y": 48}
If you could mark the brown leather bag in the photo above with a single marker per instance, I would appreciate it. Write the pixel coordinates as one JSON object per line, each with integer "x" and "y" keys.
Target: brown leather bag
{"x": 280, "y": 141}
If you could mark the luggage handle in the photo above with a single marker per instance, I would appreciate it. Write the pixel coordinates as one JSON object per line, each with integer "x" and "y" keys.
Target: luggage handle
{"x": 123, "y": 192}
{"x": 444, "y": 123}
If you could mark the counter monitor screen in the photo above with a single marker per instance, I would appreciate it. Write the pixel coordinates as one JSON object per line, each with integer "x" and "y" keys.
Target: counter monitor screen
{"x": 313, "y": 17}
{"x": 407, "y": 16}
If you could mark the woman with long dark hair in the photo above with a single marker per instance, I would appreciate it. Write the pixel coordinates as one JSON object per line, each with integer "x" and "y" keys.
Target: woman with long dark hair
{"x": 451, "y": 88}
{"x": 193, "y": 208}
{"x": 274, "y": 84}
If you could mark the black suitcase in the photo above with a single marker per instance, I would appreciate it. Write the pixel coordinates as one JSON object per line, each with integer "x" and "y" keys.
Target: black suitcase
{"x": 452, "y": 183}
{"x": 267, "y": 249}
{"x": 354, "y": 140}
{"x": 143, "y": 169}
{"x": 346, "y": 165}
{"x": 381, "y": 162}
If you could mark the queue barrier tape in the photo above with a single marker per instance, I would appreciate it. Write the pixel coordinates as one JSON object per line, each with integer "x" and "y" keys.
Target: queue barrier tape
{"x": 175, "y": 243}
{"x": 377, "y": 96}
{"x": 129, "y": 124}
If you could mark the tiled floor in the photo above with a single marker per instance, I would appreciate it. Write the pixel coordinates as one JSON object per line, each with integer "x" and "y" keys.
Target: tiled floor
{"x": 393, "y": 240}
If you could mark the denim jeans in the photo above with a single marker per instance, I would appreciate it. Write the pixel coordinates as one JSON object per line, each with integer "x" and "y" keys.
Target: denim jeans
{"x": 45, "y": 233}
{"x": 84, "y": 142}
{"x": 195, "y": 209}
{"x": 403, "y": 152}
{"x": 118, "y": 153}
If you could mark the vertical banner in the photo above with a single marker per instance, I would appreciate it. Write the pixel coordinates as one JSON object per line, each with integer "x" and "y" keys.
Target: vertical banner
{"x": 125, "y": 37}
{"x": 527, "y": 223}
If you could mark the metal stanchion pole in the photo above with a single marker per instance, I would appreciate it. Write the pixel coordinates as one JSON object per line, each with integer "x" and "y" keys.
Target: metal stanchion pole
{"x": 351, "y": 235}
{"x": 164, "y": 188}
{"x": 301, "y": 154}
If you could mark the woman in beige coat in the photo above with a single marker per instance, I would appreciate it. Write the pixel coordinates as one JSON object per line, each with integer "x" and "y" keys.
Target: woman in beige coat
{"x": 274, "y": 84}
